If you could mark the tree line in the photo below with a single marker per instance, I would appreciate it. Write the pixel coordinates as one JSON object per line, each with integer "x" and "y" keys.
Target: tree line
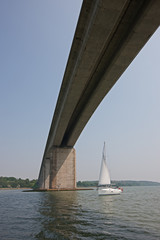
{"x": 12, "y": 182}
{"x": 118, "y": 183}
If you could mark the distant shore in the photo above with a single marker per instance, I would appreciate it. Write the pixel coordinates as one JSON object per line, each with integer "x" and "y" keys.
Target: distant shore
{"x": 121, "y": 183}
{"x": 16, "y": 183}
{"x": 11, "y": 183}
{"x": 14, "y": 188}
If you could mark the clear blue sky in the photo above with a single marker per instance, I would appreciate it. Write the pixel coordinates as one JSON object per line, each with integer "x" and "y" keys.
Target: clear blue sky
{"x": 36, "y": 38}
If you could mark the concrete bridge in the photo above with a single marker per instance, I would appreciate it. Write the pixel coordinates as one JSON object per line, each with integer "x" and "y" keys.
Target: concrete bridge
{"x": 109, "y": 35}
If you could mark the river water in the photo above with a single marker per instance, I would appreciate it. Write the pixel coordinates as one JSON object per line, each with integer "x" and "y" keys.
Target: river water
{"x": 135, "y": 214}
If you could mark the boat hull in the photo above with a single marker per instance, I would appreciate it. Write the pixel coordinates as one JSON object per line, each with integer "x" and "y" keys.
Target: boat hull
{"x": 109, "y": 191}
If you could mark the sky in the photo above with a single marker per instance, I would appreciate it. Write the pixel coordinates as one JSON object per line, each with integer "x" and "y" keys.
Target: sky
{"x": 36, "y": 37}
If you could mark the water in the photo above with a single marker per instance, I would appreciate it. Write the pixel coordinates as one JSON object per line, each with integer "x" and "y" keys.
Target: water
{"x": 135, "y": 214}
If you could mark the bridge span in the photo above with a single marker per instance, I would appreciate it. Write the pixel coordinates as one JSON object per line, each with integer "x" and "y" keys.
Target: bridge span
{"x": 109, "y": 35}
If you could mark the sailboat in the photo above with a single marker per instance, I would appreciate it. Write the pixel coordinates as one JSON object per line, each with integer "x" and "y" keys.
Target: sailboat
{"x": 104, "y": 185}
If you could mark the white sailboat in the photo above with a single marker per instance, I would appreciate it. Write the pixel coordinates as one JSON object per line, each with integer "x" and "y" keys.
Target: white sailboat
{"x": 104, "y": 186}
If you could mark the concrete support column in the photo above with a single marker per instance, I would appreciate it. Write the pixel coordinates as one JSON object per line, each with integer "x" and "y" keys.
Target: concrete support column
{"x": 63, "y": 168}
{"x": 44, "y": 178}
{"x": 41, "y": 179}
{"x": 46, "y": 173}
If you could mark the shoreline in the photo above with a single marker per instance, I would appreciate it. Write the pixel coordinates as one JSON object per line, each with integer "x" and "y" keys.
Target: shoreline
{"x": 46, "y": 190}
{"x": 58, "y": 190}
{"x": 15, "y": 188}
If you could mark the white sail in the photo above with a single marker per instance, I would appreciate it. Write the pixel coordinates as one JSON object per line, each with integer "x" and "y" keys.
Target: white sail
{"x": 104, "y": 177}
{"x": 104, "y": 180}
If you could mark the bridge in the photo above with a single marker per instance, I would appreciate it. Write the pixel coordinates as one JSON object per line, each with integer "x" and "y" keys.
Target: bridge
{"x": 109, "y": 35}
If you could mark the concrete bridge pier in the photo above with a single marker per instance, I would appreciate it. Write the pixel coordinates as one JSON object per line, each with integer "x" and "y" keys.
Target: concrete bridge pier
{"x": 63, "y": 168}
{"x": 59, "y": 170}
{"x": 44, "y": 177}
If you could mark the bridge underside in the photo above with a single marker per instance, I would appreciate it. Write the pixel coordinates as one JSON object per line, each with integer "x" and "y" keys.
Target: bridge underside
{"x": 108, "y": 37}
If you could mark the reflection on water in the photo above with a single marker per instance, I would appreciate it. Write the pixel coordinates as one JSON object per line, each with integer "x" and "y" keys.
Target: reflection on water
{"x": 57, "y": 215}
{"x": 85, "y": 215}
{"x": 70, "y": 215}
{"x": 135, "y": 214}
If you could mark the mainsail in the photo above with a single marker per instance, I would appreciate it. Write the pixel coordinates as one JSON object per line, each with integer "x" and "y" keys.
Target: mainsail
{"x": 104, "y": 177}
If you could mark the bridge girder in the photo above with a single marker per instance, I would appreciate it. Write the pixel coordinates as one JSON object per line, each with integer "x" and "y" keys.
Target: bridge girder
{"x": 109, "y": 35}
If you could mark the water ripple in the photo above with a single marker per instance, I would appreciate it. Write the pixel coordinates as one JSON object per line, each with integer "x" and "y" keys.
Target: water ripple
{"x": 135, "y": 214}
